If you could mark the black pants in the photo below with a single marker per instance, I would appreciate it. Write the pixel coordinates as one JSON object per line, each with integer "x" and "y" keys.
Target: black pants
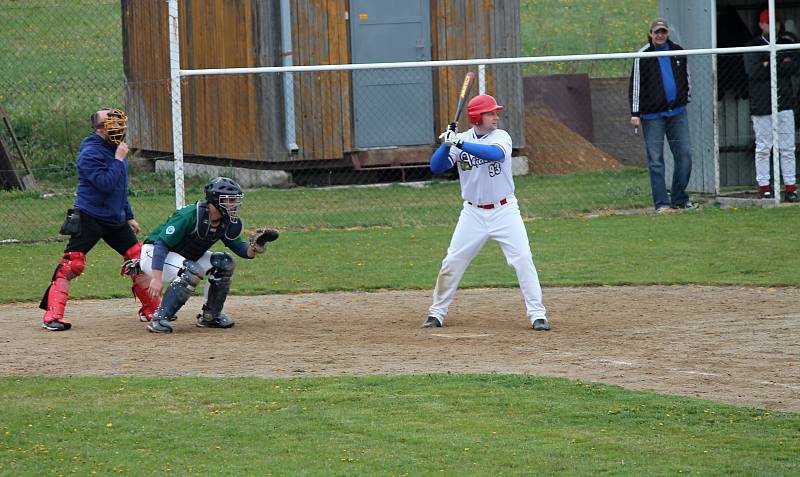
{"x": 120, "y": 237}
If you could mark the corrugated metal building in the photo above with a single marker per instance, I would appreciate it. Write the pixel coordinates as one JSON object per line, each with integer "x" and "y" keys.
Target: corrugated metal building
{"x": 720, "y": 83}
{"x": 331, "y": 118}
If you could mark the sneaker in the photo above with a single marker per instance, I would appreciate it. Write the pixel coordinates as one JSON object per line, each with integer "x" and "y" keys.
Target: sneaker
{"x": 663, "y": 209}
{"x": 222, "y": 321}
{"x": 791, "y": 196}
{"x": 432, "y": 322}
{"x": 143, "y": 317}
{"x": 687, "y": 206}
{"x": 159, "y": 326}
{"x": 541, "y": 324}
{"x": 59, "y": 324}
{"x": 764, "y": 192}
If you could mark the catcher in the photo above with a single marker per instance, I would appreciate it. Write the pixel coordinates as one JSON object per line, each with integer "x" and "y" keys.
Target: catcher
{"x": 177, "y": 252}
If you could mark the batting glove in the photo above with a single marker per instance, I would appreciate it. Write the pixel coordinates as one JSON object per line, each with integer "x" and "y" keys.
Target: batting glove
{"x": 451, "y": 138}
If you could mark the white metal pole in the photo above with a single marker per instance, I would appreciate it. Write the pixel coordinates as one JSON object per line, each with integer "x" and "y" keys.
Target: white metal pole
{"x": 482, "y": 79}
{"x": 288, "y": 77}
{"x": 482, "y": 61}
{"x": 712, "y": 5}
{"x": 773, "y": 87}
{"x": 177, "y": 120}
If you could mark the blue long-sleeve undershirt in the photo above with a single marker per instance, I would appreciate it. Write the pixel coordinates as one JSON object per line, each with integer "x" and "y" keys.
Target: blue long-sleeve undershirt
{"x": 440, "y": 161}
{"x": 160, "y": 251}
{"x": 487, "y": 152}
{"x": 240, "y": 249}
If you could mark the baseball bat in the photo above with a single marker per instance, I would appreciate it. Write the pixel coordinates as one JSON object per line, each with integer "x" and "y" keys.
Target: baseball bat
{"x": 462, "y": 98}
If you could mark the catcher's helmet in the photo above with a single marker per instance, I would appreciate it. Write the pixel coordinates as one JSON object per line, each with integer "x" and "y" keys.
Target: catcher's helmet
{"x": 115, "y": 124}
{"x": 479, "y": 105}
{"x": 226, "y": 195}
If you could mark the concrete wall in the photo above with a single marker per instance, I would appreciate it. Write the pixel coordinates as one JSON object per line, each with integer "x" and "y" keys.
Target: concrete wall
{"x": 611, "y": 116}
{"x": 245, "y": 177}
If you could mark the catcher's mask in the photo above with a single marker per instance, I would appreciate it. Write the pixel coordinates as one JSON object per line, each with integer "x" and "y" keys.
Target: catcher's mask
{"x": 115, "y": 124}
{"x": 226, "y": 195}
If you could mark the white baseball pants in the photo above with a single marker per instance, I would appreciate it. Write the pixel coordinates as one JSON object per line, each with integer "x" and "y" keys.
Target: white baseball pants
{"x": 172, "y": 265}
{"x": 475, "y": 226}
{"x": 762, "y": 126}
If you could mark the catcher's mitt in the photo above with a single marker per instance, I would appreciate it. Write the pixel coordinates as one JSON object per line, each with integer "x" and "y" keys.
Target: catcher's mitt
{"x": 259, "y": 239}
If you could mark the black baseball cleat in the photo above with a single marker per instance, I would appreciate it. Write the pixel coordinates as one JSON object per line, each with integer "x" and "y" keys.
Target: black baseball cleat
{"x": 222, "y": 321}
{"x": 791, "y": 196}
{"x": 432, "y": 322}
{"x": 687, "y": 206}
{"x": 541, "y": 324}
{"x": 57, "y": 325}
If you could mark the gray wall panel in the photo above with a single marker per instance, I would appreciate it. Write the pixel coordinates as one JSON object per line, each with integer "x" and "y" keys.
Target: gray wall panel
{"x": 690, "y": 26}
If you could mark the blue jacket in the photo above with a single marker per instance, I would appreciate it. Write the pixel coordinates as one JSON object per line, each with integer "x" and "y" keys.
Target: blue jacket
{"x": 102, "y": 181}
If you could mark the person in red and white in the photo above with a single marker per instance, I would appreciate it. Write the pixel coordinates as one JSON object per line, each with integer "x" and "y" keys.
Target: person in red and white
{"x": 758, "y": 71}
{"x": 490, "y": 210}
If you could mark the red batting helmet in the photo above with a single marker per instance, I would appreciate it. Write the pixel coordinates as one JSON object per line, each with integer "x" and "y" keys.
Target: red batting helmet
{"x": 479, "y": 105}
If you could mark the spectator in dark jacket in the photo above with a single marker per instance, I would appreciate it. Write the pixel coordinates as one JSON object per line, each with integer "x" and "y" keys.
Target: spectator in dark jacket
{"x": 758, "y": 72}
{"x": 101, "y": 211}
{"x": 659, "y": 92}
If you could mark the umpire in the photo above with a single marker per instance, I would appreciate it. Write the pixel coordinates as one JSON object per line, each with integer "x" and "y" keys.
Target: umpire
{"x": 101, "y": 211}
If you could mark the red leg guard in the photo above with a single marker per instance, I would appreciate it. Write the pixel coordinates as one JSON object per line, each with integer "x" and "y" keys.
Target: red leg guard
{"x": 141, "y": 289}
{"x": 70, "y": 266}
{"x": 141, "y": 283}
{"x": 133, "y": 253}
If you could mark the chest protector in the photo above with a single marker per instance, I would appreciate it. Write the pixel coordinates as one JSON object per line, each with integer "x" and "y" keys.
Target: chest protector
{"x": 199, "y": 240}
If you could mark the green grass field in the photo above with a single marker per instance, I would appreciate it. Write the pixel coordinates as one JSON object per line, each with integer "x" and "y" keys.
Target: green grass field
{"x": 67, "y": 59}
{"x": 583, "y": 27}
{"x": 710, "y": 246}
{"x": 34, "y": 217}
{"x": 412, "y": 425}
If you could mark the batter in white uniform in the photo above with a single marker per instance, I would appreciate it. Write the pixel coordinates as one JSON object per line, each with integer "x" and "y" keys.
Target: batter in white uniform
{"x": 483, "y": 157}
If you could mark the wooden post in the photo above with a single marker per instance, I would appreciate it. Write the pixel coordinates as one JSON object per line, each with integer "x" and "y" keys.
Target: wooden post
{"x": 8, "y": 173}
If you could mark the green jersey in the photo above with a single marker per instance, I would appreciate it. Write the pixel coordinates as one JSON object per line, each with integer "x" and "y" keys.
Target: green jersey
{"x": 189, "y": 232}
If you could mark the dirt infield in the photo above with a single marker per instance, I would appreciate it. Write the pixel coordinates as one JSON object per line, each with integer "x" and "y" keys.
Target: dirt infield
{"x": 729, "y": 344}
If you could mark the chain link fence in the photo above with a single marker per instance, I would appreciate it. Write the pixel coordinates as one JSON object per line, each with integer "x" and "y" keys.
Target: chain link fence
{"x": 348, "y": 148}
{"x": 63, "y": 61}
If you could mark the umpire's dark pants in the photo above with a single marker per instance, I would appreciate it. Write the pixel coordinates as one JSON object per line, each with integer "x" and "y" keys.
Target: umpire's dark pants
{"x": 120, "y": 237}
